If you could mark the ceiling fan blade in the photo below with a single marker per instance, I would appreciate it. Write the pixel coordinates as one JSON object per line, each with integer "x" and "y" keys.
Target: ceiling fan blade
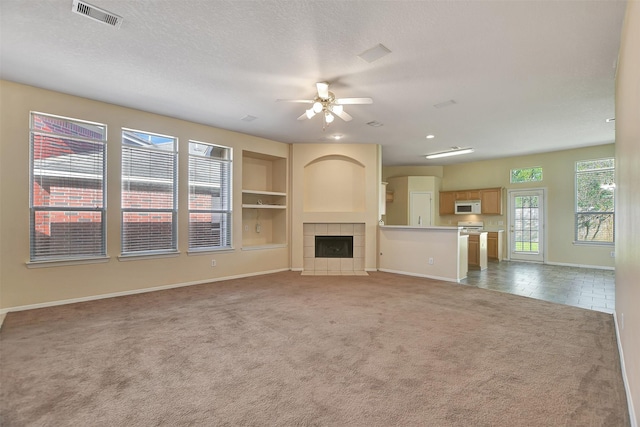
{"x": 346, "y": 101}
{"x": 301, "y": 101}
{"x": 323, "y": 90}
{"x": 343, "y": 115}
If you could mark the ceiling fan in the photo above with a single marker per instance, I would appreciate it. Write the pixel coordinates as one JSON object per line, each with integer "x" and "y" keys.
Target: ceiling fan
{"x": 326, "y": 104}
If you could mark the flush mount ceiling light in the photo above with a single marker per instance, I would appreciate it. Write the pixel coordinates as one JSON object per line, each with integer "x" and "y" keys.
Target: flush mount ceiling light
{"x": 430, "y": 136}
{"x": 455, "y": 151}
{"x": 327, "y": 105}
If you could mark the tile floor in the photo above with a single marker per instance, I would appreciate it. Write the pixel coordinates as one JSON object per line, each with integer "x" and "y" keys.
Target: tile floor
{"x": 580, "y": 287}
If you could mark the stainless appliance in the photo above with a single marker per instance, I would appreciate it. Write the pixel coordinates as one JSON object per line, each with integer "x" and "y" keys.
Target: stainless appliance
{"x": 464, "y": 207}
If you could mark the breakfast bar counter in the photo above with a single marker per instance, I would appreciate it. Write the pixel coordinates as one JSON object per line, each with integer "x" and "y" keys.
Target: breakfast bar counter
{"x": 434, "y": 252}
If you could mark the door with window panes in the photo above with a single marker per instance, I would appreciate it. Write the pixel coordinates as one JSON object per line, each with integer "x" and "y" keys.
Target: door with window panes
{"x": 526, "y": 225}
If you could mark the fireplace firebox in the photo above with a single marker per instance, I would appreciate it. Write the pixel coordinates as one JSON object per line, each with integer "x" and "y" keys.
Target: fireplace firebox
{"x": 334, "y": 246}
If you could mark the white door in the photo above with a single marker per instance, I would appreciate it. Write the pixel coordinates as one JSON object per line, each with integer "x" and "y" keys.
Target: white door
{"x": 526, "y": 225}
{"x": 420, "y": 208}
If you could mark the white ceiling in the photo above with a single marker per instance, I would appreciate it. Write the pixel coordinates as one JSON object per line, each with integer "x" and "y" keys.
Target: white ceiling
{"x": 526, "y": 76}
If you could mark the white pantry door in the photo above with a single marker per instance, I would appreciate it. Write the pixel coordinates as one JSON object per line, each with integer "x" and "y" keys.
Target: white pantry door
{"x": 420, "y": 208}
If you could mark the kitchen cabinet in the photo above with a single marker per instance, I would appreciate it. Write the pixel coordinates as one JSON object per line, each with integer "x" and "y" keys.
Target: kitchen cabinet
{"x": 494, "y": 245}
{"x": 467, "y": 195}
{"x": 478, "y": 250}
{"x": 264, "y": 200}
{"x": 447, "y": 202}
{"x": 491, "y": 199}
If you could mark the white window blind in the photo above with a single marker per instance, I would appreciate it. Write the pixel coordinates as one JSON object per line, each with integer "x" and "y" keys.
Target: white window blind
{"x": 210, "y": 206}
{"x": 149, "y": 193}
{"x": 67, "y": 179}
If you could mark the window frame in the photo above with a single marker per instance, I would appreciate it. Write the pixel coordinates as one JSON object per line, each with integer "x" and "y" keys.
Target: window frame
{"x": 578, "y": 213}
{"x": 226, "y": 233}
{"x": 173, "y": 249}
{"x": 529, "y": 180}
{"x": 101, "y": 253}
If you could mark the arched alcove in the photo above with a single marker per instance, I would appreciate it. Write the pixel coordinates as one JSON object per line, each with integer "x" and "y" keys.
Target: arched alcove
{"x": 334, "y": 183}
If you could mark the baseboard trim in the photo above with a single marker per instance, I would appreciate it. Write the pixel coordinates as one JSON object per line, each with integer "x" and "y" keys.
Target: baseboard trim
{"x": 426, "y": 276}
{"x": 632, "y": 412}
{"x": 595, "y": 267}
{"x": 4, "y": 311}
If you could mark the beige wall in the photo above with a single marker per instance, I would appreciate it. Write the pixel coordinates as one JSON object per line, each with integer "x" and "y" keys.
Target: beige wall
{"x": 398, "y": 211}
{"x": 21, "y": 286}
{"x": 558, "y": 181}
{"x": 335, "y": 183}
{"x": 628, "y": 200}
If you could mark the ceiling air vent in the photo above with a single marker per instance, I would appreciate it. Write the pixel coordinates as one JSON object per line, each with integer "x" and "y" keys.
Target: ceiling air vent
{"x": 97, "y": 14}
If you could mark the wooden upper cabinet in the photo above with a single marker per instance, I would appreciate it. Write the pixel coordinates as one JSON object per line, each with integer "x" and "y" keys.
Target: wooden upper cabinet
{"x": 491, "y": 201}
{"x": 447, "y": 202}
{"x": 467, "y": 195}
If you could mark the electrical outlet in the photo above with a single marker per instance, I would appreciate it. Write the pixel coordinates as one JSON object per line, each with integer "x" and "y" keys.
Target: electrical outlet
{"x": 431, "y": 261}
{"x": 213, "y": 263}
{"x": 258, "y": 228}
{"x": 246, "y": 228}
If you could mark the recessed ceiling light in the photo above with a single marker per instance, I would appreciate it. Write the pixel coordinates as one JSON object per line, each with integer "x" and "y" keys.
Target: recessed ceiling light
{"x": 455, "y": 151}
{"x": 375, "y": 53}
{"x": 375, "y": 124}
{"x": 336, "y": 137}
{"x": 430, "y": 136}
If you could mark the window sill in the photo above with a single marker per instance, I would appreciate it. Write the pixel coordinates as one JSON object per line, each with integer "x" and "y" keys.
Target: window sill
{"x": 196, "y": 252}
{"x": 62, "y": 263}
{"x": 611, "y": 244}
{"x": 136, "y": 257}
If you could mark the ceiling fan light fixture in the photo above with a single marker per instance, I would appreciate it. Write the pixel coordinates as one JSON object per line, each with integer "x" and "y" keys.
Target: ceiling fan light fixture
{"x": 337, "y": 109}
{"x": 452, "y": 152}
{"x": 317, "y": 106}
{"x": 310, "y": 113}
{"x": 328, "y": 117}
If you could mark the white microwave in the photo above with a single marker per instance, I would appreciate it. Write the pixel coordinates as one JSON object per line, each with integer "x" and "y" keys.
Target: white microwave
{"x": 465, "y": 207}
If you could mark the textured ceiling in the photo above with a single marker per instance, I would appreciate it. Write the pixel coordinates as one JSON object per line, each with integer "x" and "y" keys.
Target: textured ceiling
{"x": 526, "y": 76}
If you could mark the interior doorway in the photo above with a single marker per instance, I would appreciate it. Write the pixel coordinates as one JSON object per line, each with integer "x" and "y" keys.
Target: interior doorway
{"x": 526, "y": 225}
{"x": 420, "y": 209}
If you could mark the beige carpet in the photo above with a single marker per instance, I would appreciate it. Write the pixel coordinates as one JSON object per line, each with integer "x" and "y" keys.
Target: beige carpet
{"x": 286, "y": 349}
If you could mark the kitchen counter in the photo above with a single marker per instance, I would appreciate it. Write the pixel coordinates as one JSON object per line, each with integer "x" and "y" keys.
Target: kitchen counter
{"x": 434, "y": 252}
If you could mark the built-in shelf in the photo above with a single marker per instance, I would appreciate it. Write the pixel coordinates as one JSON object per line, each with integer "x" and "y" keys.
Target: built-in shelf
{"x": 264, "y": 201}
{"x": 263, "y": 206}
{"x": 264, "y": 193}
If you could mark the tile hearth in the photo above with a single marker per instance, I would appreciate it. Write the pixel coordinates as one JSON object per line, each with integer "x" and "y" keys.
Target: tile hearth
{"x": 333, "y": 266}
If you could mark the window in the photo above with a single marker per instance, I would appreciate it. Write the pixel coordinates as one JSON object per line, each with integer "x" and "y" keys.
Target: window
{"x": 519, "y": 176}
{"x": 67, "y": 197}
{"x": 209, "y": 196}
{"x": 149, "y": 193}
{"x": 595, "y": 201}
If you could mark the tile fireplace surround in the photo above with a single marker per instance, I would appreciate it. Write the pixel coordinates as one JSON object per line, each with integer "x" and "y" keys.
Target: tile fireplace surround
{"x": 333, "y": 266}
